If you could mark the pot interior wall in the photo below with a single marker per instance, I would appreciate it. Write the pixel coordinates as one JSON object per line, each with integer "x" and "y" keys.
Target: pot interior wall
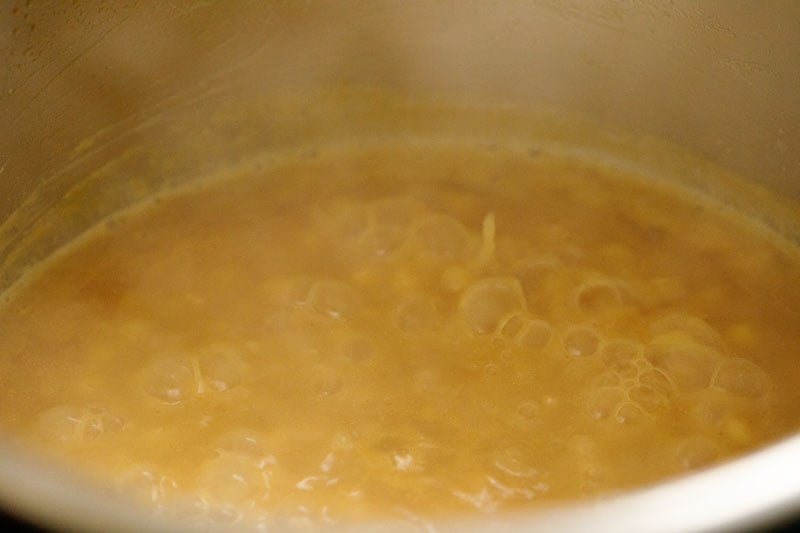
{"x": 719, "y": 78}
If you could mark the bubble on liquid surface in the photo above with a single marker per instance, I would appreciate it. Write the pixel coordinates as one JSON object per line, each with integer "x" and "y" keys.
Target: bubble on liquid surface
{"x": 244, "y": 443}
{"x": 580, "y": 341}
{"x": 170, "y": 380}
{"x": 741, "y": 377}
{"x": 695, "y": 327}
{"x": 512, "y": 325}
{"x": 99, "y": 420}
{"x": 648, "y": 398}
{"x": 219, "y": 370}
{"x": 535, "y": 334}
{"x": 417, "y": 314}
{"x": 608, "y": 379}
{"x": 630, "y": 413}
{"x": 177, "y": 378}
{"x": 656, "y": 380}
{"x": 381, "y": 242}
{"x": 688, "y": 364}
{"x": 230, "y": 479}
{"x": 484, "y": 304}
{"x": 146, "y": 482}
{"x": 602, "y": 403}
{"x": 443, "y": 237}
{"x": 335, "y": 300}
{"x": 711, "y": 409}
{"x": 598, "y": 296}
{"x": 65, "y": 423}
{"x": 513, "y": 463}
{"x": 617, "y": 351}
{"x": 627, "y": 368}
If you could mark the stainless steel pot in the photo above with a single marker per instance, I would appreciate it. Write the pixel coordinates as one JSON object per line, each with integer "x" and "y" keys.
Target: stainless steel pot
{"x": 103, "y": 103}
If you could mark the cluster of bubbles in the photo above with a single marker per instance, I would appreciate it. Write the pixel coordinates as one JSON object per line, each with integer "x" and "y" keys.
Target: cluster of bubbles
{"x": 226, "y": 488}
{"x": 684, "y": 356}
{"x": 331, "y": 300}
{"x": 177, "y": 377}
{"x": 511, "y": 476}
{"x": 240, "y": 469}
{"x": 147, "y": 482}
{"x": 472, "y": 296}
{"x": 640, "y": 378}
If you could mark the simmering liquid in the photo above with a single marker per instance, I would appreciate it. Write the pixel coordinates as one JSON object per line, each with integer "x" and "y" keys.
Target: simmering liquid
{"x": 405, "y": 331}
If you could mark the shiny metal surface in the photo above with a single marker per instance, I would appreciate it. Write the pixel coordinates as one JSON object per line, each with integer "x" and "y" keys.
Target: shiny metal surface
{"x": 102, "y": 103}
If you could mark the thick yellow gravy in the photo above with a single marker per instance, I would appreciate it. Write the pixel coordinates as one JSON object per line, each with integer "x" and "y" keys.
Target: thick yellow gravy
{"x": 405, "y": 330}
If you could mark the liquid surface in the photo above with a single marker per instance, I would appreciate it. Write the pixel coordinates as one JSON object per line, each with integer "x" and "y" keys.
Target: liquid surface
{"x": 403, "y": 331}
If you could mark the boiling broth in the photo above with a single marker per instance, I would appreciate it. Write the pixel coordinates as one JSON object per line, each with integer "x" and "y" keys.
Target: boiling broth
{"x": 407, "y": 330}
